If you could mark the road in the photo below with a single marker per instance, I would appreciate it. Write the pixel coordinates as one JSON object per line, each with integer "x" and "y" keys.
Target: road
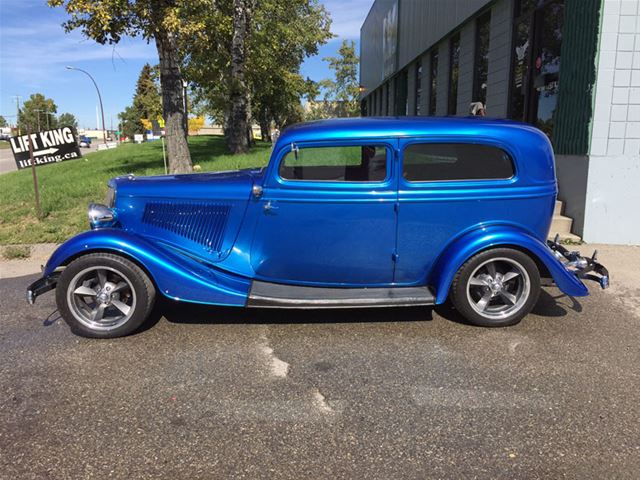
{"x": 8, "y": 164}
{"x": 376, "y": 394}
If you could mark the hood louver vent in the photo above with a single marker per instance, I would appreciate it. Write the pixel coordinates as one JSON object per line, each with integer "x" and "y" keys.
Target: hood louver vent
{"x": 200, "y": 222}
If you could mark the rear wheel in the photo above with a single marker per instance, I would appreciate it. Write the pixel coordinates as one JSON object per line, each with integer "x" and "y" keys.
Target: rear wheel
{"x": 101, "y": 295}
{"x": 496, "y": 288}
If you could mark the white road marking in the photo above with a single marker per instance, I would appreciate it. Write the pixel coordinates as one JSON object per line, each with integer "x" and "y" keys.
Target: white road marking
{"x": 321, "y": 402}
{"x": 277, "y": 367}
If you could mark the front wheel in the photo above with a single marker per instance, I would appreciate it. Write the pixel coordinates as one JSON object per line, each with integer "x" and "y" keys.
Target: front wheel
{"x": 101, "y": 295}
{"x": 496, "y": 288}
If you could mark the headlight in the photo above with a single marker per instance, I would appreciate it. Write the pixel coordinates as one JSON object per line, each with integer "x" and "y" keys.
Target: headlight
{"x": 110, "y": 199}
{"x": 100, "y": 215}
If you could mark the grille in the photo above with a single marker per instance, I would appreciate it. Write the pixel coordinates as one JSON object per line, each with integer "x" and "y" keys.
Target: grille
{"x": 203, "y": 223}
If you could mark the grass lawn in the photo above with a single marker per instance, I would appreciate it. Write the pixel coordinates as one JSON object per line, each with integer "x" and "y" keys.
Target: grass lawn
{"x": 67, "y": 187}
{"x": 4, "y": 145}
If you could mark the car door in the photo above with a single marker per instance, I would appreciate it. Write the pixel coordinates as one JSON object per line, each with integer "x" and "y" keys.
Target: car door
{"x": 448, "y": 185}
{"x": 327, "y": 215}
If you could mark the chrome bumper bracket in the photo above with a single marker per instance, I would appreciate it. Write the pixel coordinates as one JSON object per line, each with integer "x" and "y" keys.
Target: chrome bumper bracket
{"x": 40, "y": 286}
{"x": 586, "y": 268}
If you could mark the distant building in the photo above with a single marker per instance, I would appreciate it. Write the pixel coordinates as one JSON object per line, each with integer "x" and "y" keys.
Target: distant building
{"x": 317, "y": 109}
{"x": 570, "y": 67}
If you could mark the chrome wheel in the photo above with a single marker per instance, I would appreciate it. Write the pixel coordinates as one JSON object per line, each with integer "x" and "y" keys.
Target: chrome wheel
{"x": 498, "y": 288}
{"x": 101, "y": 298}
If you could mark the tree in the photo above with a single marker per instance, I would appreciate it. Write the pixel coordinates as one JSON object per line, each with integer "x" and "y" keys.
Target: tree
{"x": 37, "y": 114}
{"x": 240, "y": 102}
{"x": 147, "y": 104}
{"x": 281, "y": 33}
{"x": 146, "y": 101}
{"x": 161, "y": 21}
{"x": 129, "y": 122}
{"x": 341, "y": 94}
{"x": 68, "y": 120}
{"x": 285, "y": 33}
{"x": 3, "y": 122}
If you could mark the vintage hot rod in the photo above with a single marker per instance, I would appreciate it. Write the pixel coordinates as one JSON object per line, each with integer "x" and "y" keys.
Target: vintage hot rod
{"x": 349, "y": 213}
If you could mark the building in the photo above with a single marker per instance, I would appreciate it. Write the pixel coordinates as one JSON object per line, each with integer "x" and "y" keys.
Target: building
{"x": 570, "y": 67}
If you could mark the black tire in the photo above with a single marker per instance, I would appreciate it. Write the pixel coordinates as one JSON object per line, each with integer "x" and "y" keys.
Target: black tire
{"x": 469, "y": 295}
{"x": 128, "y": 306}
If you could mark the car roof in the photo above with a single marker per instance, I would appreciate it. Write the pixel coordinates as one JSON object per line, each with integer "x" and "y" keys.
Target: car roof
{"x": 345, "y": 128}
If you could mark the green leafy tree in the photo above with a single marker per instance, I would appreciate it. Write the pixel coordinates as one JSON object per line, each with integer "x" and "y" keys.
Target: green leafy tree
{"x": 147, "y": 103}
{"x": 285, "y": 33}
{"x": 342, "y": 92}
{"x": 68, "y": 120}
{"x": 37, "y": 114}
{"x": 280, "y": 34}
{"x": 3, "y": 122}
{"x": 129, "y": 122}
{"x": 163, "y": 21}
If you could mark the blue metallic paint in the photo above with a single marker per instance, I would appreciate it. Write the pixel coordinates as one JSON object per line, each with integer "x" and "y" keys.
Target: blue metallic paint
{"x": 473, "y": 242}
{"x": 175, "y": 273}
{"x": 338, "y": 233}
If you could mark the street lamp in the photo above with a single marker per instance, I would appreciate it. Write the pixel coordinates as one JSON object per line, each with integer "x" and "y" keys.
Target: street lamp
{"x": 104, "y": 132}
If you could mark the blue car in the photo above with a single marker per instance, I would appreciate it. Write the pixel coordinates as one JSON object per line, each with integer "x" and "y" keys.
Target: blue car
{"x": 373, "y": 212}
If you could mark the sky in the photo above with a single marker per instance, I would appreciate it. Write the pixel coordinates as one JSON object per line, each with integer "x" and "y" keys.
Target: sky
{"x": 34, "y": 50}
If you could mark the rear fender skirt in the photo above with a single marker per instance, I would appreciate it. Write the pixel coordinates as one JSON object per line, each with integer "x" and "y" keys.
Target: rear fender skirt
{"x": 465, "y": 247}
{"x": 176, "y": 275}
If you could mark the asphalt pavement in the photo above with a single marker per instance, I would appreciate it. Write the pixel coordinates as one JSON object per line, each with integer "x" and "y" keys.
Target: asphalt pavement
{"x": 372, "y": 393}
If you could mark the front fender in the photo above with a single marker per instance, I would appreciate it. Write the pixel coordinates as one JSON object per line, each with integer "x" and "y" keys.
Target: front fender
{"x": 463, "y": 248}
{"x": 175, "y": 274}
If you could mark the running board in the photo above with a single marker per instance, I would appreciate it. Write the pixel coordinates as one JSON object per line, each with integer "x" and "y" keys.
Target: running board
{"x": 276, "y": 295}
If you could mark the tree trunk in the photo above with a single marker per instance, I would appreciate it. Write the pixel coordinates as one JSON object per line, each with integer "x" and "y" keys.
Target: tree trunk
{"x": 265, "y": 130}
{"x": 178, "y": 155}
{"x": 239, "y": 115}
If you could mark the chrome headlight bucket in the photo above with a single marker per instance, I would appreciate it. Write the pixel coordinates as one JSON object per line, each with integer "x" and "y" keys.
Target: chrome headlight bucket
{"x": 100, "y": 216}
{"x": 110, "y": 199}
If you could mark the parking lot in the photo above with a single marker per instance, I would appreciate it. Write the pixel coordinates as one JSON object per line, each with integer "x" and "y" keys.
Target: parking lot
{"x": 371, "y": 393}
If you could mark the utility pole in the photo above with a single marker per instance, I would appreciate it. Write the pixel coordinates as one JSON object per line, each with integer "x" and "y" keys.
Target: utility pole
{"x": 18, "y": 98}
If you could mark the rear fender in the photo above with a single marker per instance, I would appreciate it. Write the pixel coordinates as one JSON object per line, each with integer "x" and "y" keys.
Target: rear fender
{"x": 465, "y": 247}
{"x": 175, "y": 274}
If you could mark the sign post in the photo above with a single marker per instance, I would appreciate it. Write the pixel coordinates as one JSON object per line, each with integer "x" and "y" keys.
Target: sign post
{"x": 34, "y": 175}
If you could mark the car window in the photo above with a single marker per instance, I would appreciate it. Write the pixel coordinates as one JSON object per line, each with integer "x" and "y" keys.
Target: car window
{"x": 424, "y": 162}
{"x": 366, "y": 163}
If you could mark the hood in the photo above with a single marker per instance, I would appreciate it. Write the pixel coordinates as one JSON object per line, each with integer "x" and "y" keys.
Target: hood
{"x": 219, "y": 185}
{"x": 199, "y": 214}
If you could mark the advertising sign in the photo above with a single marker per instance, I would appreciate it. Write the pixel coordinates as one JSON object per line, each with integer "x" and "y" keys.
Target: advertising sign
{"x": 50, "y": 146}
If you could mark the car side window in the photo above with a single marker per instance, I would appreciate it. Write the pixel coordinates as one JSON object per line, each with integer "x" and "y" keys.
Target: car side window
{"x": 367, "y": 163}
{"x": 429, "y": 162}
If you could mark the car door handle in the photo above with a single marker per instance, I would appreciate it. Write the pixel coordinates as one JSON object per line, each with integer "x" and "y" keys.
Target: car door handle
{"x": 269, "y": 207}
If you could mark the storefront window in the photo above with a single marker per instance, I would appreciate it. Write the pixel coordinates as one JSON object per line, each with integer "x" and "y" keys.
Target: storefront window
{"x": 434, "y": 82}
{"x": 401, "y": 98}
{"x": 481, "y": 61}
{"x": 535, "y": 75}
{"x": 520, "y": 69}
{"x": 418, "y": 95}
{"x": 454, "y": 71}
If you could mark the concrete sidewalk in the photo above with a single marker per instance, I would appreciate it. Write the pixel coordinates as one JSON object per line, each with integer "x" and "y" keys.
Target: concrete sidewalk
{"x": 623, "y": 262}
